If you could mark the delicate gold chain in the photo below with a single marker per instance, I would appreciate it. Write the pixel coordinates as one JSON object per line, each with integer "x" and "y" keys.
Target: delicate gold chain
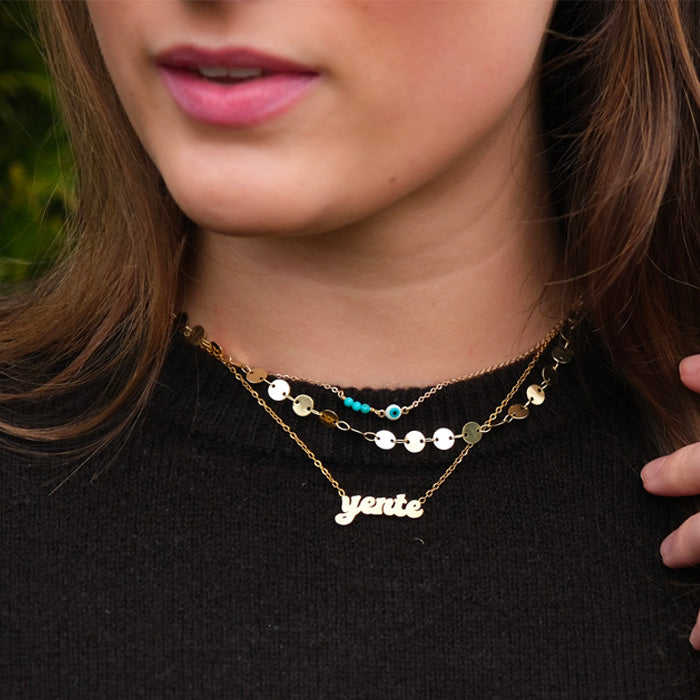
{"x": 402, "y": 410}
{"x": 306, "y": 449}
{"x": 197, "y": 337}
{"x": 489, "y": 424}
{"x": 340, "y": 393}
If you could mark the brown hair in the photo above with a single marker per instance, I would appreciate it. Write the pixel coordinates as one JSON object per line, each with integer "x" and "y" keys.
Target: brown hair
{"x": 101, "y": 318}
{"x": 621, "y": 101}
{"x": 621, "y": 107}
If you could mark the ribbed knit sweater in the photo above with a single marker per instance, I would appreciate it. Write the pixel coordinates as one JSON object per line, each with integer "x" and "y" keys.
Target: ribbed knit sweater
{"x": 204, "y": 561}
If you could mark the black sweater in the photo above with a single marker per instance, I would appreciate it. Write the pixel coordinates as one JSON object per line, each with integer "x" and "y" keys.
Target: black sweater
{"x": 205, "y": 561}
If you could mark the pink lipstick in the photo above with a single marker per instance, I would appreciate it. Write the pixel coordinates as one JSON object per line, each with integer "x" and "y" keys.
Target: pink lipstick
{"x": 232, "y": 87}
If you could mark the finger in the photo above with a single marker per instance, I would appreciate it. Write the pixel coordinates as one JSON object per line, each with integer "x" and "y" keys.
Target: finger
{"x": 690, "y": 372}
{"x": 682, "y": 547}
{"x": 677, "y": 474}
{"x": 695, "y": 634}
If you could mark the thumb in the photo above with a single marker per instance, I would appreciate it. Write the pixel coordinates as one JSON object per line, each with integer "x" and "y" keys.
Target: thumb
{"x": 690, "y": 372}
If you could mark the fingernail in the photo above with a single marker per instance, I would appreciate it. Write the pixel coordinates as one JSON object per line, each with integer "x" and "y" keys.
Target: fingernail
{"x": 694, "y": 638}
{"x": 651, "y": 470}
{"x": 690, "y": 365}
{"x": 666, "y": 545}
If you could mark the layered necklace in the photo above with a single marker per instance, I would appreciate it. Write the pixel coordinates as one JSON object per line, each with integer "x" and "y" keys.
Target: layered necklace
{"x": 557, "y": 345}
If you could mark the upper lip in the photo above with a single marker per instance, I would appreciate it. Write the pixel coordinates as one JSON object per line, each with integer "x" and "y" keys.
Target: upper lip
{"x": 192, "y": 57}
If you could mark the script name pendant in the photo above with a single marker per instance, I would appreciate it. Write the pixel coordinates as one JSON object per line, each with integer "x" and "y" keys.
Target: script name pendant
{"x": 369, "y": 505}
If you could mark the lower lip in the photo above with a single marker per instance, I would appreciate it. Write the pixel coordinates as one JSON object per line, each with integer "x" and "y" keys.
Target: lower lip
{"x": 235, "y": 104}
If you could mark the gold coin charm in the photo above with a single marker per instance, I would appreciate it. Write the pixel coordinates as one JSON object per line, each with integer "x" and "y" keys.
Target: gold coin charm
{"x": 385, "y": 439}
{"x": 303, "y": 405}
{"x": 471, "y": 432}
{"x": 518, "y": 411}
{"x": 535, "y": 394}
{"x": 562, "y": 355}
{"x": 414, "y": 441}
{"x": 256, "y": 375}
{"x": 278, "y": 390}
{"x": 195, "y": 335}
{"x": 329, "y": 418}
{"x": 443, "y": 438}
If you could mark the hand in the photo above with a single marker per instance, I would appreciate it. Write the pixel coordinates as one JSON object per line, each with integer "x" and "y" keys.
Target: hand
{"x": 678, "y": 474}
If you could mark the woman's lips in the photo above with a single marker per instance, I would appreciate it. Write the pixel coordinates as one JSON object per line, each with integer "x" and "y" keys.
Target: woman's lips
{"x": 225, "y": 101}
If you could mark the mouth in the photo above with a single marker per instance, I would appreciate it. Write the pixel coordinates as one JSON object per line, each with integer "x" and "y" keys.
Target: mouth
{"x": 233, "y": 87}
{"x": 223, "y": 75}
{"x": 229, "y": 65}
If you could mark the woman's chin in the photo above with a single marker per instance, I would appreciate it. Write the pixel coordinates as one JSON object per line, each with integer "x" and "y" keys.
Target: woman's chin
{"x": 250, "y": 221}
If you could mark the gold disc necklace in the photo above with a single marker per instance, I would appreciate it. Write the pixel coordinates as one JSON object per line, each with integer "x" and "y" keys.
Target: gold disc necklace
{"x": 399, "y": 506}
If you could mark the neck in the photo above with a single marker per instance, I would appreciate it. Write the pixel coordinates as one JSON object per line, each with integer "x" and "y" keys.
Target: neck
{"x": 444, "y": 282}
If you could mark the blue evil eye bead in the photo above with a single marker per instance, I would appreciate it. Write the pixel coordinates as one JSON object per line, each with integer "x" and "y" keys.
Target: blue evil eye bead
{"x": 393, "y": 412}
{"x": 365, "y": 408}
{"x": 356, "y": 406}
{"x": 348, "y": 401}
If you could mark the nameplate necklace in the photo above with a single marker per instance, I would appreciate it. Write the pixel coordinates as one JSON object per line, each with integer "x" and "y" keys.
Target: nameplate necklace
{"x": 398, "y": 506}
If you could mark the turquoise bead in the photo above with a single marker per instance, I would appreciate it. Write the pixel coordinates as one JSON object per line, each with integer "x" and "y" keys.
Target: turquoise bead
{"x": 356, "y": 406}
{"x": 365, "y": 408}
{"x": 349, "y": 401}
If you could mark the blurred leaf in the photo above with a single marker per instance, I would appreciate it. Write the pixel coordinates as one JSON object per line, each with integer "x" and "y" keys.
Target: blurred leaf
{"x": 36, "y": 187}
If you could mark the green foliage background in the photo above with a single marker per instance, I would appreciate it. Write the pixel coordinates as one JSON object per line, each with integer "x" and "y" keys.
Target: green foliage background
{"x": 35, "y": 173}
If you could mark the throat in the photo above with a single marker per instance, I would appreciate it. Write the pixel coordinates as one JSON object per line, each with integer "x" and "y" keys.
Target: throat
{"x": 339, "y": 310}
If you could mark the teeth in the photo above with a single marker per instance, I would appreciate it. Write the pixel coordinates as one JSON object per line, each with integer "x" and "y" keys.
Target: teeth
{"x": 236, "y": 73}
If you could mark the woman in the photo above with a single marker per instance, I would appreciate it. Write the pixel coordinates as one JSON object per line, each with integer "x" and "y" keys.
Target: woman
{"x": 494, "y": 202}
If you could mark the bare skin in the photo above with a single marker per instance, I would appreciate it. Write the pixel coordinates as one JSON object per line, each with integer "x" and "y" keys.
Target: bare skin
{"x": 436, "y": 286}
{"x": 390, "y": 229}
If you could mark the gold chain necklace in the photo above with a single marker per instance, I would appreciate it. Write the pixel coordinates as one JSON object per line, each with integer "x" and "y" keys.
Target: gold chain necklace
{"x": 394, "y": 411}
{"x": 399, "y": 506}
{"x": 255, "y": 375}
